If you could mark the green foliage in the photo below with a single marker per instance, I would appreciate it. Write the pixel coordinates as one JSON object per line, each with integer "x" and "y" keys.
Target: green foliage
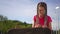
{"x": 6, "y": 25}
{"x": 12, "y": 24}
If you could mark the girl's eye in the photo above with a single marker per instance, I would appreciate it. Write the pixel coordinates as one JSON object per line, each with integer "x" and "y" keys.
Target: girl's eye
{"x": 41, "y": 10}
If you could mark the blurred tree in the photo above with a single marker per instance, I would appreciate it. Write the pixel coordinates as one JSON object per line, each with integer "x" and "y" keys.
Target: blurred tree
{"x": 3, "y": 18}
{"x": 25, "y": 24}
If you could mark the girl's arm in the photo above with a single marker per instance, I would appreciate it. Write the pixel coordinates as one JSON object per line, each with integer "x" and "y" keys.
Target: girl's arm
{"x": 33, "y": 25}
{"x": 50, "y": 26}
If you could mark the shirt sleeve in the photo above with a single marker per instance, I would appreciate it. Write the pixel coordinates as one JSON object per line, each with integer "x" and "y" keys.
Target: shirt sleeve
{"x": 34, "y": 19}
{"x": 49, "y": 19}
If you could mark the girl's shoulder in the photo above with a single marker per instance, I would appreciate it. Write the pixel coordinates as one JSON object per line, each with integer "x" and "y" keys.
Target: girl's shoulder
{"x": 35, "y": 16}
{"x": 49, "y": 19}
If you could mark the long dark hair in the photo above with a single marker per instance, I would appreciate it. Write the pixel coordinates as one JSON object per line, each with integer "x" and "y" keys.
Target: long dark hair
{"x": 43, "y": 4}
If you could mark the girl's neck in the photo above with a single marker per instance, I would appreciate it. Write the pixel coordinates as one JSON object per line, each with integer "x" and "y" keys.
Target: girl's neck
{"x": 41, "y": 16}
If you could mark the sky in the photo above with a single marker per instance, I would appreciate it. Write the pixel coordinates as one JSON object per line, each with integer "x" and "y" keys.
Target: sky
{"x": 24, "y": 10}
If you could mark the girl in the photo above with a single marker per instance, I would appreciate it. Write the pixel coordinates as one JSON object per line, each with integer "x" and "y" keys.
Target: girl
{"x": 42, "y": 19}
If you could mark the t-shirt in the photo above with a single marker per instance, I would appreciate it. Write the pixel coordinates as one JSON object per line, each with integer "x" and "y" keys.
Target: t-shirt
{"x": 41, "y": 20}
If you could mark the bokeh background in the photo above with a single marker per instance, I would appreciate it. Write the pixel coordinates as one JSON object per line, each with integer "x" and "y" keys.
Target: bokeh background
{"x": 20, "y": 13}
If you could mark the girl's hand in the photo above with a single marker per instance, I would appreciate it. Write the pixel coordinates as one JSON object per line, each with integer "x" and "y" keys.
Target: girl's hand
{"x": 37, "y": 26}
{"x": 44, "y": 26}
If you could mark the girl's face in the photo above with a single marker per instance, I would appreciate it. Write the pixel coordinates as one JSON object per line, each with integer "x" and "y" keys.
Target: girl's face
{"x": 41, "y": 11}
